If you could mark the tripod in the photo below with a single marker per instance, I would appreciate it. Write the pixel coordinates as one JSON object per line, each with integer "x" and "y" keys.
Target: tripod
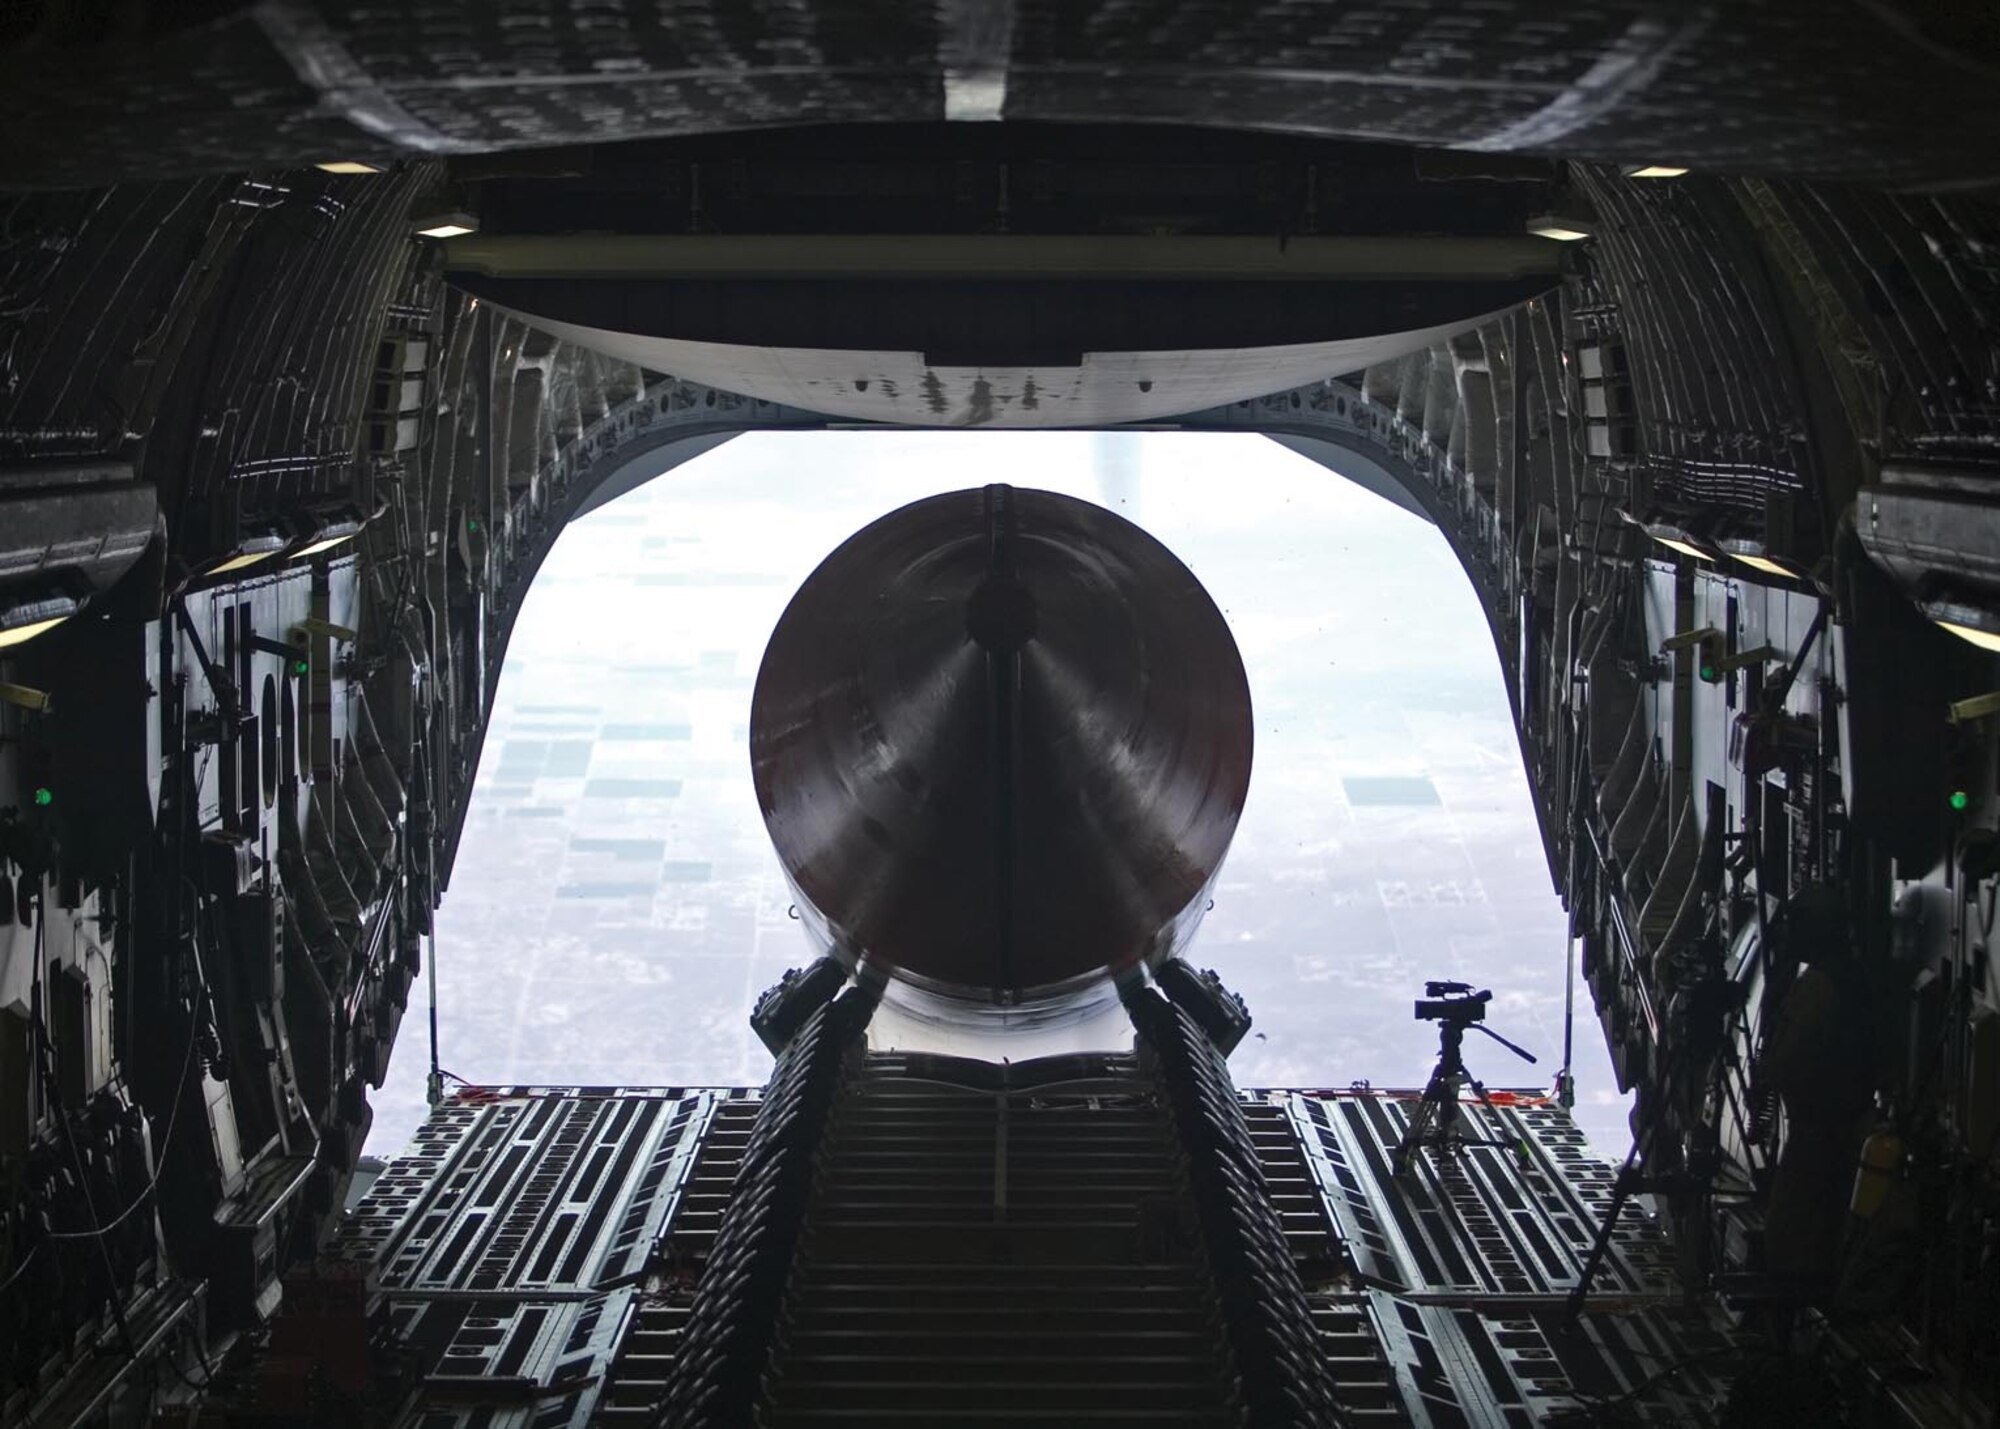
{"x": 1438, "y": 1121}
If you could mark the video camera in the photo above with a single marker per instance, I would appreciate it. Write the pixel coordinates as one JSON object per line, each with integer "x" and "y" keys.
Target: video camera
{"x": 1438, "y": 1120}
{"x": 1452, "y": 1002}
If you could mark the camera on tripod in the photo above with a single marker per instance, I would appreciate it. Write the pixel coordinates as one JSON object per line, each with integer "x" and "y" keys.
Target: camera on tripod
{"x": 1452, "y": 1002}
{"x": 1438, "y": 1120}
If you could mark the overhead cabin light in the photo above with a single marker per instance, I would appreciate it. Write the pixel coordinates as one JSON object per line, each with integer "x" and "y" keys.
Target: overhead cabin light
{"x": 327, "y": 537}
{"x": 1969, "y": 623}
{"x": 21, "y": 623}
{"x": 1752, "y": 555}
{"x": 1686, "y": 548}
{"x": 455, "y": 224}
{"x": 1563, "y": 228}
{"x": 1762, "y": 563}
{"x": 1675, "y": 539}
{"x": 22, "y": 634}
{"x": 348, "y": 166}
{"x": 1655, "y": 171}
{"x": 1984, "y": 639}
{"x": 253, "y": 550}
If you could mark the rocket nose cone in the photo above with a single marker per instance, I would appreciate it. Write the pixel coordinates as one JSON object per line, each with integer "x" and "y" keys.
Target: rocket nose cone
{"x": 1001, "y": 740}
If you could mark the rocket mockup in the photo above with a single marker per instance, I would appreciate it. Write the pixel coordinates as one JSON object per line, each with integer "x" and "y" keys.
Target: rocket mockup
{"x": 1001, "y": 740}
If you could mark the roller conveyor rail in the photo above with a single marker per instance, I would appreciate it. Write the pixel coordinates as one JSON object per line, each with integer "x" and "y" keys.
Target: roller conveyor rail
{"x": 1008, "y": 1257}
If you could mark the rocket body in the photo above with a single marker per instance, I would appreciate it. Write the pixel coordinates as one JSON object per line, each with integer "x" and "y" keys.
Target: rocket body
{"x": 1001, "y": 740}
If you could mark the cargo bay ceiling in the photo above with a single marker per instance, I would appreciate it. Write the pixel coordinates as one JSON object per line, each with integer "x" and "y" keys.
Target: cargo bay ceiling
{"x": 1677, "y": 320}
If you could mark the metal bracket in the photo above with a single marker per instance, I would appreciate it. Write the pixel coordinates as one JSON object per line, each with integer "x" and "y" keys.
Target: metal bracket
{"x": 1978, "y": 707}
{"x": 1688, "y": 640}
{"x": 28, "y": 698}
{"x": 219, "y": 684}
{"x": 1729, "y": 664}
{"x": 266, "y": 645}
{"x": 311, "y": 626}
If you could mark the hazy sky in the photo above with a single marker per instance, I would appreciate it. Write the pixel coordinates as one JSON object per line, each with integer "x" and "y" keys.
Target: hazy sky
{"x": 615, "y": 906}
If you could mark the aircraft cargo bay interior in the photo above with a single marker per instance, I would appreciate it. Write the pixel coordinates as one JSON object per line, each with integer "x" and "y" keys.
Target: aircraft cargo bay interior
{"x": 1282, "y": 715}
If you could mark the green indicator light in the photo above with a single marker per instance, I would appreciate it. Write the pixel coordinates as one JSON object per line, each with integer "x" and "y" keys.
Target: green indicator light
{"x": 45, "y": 796}
{"x": 1959, "y": 799}
{"x": 1708, "y": 672}
{"x": 300, "y": 667}
{"x": 471, "y": 524}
